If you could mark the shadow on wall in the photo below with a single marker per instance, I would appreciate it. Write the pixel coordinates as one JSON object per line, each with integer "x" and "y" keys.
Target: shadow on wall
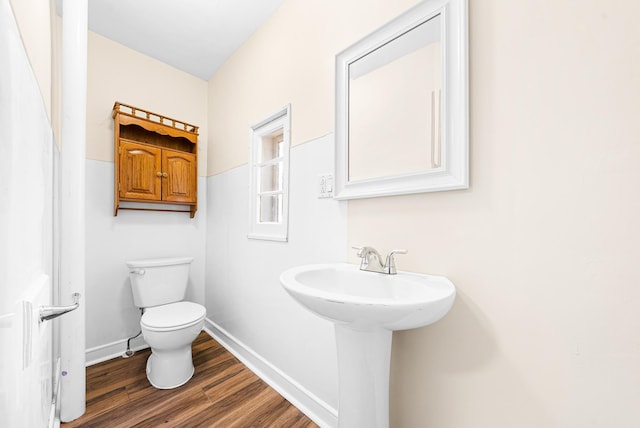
{"x": 455, "y": 354}
{"x": 463, "y": 341}
{"x": 128, "y": 310}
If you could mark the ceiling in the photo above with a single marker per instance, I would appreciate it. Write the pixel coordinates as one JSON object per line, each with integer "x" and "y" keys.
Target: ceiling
{"x": 195, "y": 36}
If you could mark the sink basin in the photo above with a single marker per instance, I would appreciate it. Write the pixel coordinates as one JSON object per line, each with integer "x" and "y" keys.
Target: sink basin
{"x": 342, "y": 293}
{"x": 366, "y": 307}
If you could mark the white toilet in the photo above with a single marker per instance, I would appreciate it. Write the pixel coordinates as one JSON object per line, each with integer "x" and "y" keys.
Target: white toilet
{"x": 169, "y": 324}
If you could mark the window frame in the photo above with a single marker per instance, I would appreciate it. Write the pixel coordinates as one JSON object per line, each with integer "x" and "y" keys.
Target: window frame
{"x": 271, "y": 231}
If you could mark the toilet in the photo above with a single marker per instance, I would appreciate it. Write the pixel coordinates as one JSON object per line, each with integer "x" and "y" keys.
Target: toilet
{"x": 169, "y": 324}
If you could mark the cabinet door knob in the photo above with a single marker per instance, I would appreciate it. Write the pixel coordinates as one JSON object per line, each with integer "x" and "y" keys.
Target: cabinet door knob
{"x": 159, "y": 174}
{"x": 165, "y": 175}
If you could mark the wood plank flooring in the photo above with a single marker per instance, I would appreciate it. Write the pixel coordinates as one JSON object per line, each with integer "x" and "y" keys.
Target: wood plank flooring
{"x": 222, "y": 393}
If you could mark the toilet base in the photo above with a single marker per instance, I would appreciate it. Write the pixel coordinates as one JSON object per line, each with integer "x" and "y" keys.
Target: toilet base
{"x": 170, "y": 369}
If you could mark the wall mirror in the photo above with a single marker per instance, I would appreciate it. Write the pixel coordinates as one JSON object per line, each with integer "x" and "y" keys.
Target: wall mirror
{"x": 402, "y": 105}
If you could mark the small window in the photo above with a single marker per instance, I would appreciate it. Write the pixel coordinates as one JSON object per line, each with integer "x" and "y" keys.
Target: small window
{"x": 269, "y": 174}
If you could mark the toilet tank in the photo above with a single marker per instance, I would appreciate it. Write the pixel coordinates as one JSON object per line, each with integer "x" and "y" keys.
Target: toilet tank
{"x": 159, "y": 281}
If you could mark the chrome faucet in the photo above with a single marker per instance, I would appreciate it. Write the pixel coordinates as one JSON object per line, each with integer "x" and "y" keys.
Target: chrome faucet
{"x": 372, "y": 261}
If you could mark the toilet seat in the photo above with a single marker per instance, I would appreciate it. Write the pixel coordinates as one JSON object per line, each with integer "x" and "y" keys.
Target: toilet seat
{"x": 173, "y": 316}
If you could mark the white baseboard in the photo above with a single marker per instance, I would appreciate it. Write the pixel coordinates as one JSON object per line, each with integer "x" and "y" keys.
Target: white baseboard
{"x": 112, "y": 350}
{"x": 309, "y": 404}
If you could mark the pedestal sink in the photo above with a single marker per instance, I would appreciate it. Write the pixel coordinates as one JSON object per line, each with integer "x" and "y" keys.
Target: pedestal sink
{"x": 366, "y": 307}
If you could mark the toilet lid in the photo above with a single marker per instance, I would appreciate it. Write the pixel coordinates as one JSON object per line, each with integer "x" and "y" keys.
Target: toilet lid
{"x": 173, "y": 315}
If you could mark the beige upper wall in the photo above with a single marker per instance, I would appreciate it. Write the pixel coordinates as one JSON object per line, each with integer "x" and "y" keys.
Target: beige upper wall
{"x": 117, "y": 73}
{"x": 543, "y": 247}
{"x": 290, "y": 59}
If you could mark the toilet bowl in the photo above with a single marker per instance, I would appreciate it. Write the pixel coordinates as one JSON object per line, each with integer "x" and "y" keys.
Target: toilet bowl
{"x": 169, "y": 324}
{"x": 169, "y": 330}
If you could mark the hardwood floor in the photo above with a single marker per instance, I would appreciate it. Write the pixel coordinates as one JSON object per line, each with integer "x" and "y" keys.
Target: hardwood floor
{"x": 222, "y": 393}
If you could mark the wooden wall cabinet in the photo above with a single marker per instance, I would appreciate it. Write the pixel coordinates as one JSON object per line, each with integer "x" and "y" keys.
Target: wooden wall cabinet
{"x": 156, "y": 161}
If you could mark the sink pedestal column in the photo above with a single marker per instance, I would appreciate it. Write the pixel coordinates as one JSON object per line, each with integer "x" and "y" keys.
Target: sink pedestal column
{"x": 364, "y": 356}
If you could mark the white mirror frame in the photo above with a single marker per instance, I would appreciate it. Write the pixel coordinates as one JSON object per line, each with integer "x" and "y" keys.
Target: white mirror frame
{"x": 454, "y": 172}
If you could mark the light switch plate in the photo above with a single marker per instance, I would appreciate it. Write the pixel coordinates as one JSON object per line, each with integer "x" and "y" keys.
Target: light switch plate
{"x": 325, "y": 185}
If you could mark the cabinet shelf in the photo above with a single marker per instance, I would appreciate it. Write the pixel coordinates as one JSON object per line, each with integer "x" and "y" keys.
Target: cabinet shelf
{"x": 156, "y": 160}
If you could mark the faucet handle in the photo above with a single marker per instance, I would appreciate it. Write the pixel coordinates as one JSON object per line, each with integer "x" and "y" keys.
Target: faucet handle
{"x": 362, "y": 255}
{"x": 366, "y": 251}
{"x": 371, "y": 259}
{"x": 390, "y": 263}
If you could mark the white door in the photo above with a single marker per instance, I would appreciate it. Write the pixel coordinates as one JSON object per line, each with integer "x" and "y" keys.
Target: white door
{"x": 26, "y": 237}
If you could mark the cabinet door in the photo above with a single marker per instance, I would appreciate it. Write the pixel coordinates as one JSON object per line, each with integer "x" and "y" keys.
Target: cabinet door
{"x": 140, "y": 173}
{"x": 180, "y": 184}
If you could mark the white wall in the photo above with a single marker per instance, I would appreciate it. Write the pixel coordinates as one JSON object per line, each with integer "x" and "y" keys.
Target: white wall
{"x": 132, "y": 235}
{"x": 244, "y": 296}
{"x": 117, "y": 73}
